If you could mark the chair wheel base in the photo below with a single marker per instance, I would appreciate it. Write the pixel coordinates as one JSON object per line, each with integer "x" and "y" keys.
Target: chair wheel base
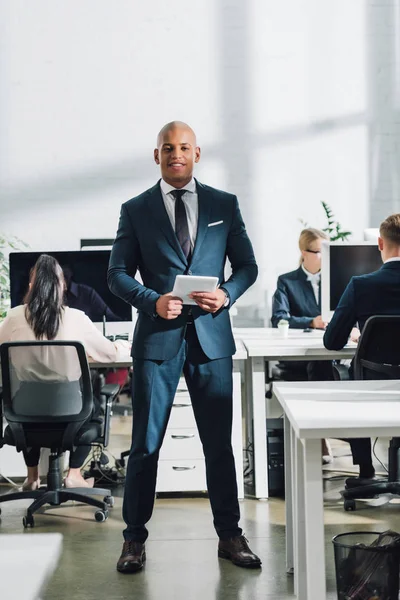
{"x": 28, "y": 521}
{"x": 349, "y": 504}
{"x": 101, "y": 515}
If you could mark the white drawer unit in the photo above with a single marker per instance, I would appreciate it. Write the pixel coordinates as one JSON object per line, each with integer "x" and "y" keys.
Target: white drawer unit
{"x": 181, "y": 385}
{"x": 181, "y": 443}
{"x": 181, "y": 466}
{"x": 182, "y": 413}
{"x": 181, "y": 475}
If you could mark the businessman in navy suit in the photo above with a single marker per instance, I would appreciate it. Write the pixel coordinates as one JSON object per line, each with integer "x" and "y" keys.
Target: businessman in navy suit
{"x": 181, "y": 226}
{"x": 377, "y": 293}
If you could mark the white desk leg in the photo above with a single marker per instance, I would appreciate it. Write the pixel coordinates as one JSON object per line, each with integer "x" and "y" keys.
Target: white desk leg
{"x": 300, "y": 563}
{"x": 257, "y": 391}
{"x": 288, "y": 497}
{"x": 293, "y": 454}
{"x": 314, "y": 547}
{"x": 237, "y": 436}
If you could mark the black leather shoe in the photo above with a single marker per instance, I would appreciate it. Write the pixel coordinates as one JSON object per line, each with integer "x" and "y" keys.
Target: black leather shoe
{"x": 354, "y": 482}
{"x": 132, "y": 558}
{"x": 237, "y": 550}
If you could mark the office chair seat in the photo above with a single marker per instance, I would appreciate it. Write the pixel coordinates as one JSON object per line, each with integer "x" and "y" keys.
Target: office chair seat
{"x": 55, "y": 411}
{"x": 377, "y": 358}
{"x": 87, "y": 435}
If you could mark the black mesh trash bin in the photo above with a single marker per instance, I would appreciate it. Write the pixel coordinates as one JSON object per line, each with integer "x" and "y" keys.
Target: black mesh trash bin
{"x": 367, "y": 565}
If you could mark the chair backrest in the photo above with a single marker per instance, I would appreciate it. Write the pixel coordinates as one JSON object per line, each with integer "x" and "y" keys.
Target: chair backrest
{"x": 46, "y": 382}
{"x": 378, "y": 352}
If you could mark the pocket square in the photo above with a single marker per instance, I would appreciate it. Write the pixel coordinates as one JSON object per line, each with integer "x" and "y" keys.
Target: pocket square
{"x": 216, "y": 223}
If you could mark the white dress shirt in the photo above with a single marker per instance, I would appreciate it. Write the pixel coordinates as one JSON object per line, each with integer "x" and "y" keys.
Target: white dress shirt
{"x": 191, "y": 202}
{"x": 315, "y": 279}
{"x": 394, "y": 259}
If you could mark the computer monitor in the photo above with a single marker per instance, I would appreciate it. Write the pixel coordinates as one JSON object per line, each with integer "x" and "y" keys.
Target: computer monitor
{"x": 371, "y": 234}
{"x": 86, "y": 276}
{"x": 340, "y": 262}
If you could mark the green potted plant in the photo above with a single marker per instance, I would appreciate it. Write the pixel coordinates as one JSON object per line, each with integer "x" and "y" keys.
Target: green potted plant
{"x": 334, "y": 228}
{"x": 7, "y": 243}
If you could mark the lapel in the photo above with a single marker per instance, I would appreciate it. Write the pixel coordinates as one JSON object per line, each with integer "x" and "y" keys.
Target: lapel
{"x": 158, "y": 212}
{"x": 308, "y": 289}
{"x": 205, "y": 204}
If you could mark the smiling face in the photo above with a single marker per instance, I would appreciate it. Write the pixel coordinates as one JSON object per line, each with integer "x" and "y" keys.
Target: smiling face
{"x": 176, "y": 154}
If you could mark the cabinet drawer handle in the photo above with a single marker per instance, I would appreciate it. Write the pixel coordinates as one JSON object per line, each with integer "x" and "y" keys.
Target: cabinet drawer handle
{"x": 181, "y": 405}
{"x": 182, "y": 437}
{"x": 184, "y": 468}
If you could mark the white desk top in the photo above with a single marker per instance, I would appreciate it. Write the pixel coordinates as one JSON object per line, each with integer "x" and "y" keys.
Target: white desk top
{"x": 341, "y": 408}
{"x": 263, "y": 333}
{"x": 27, "y": 560}
{"x": 126, "y": 362}
{"x": 270, "y": 344}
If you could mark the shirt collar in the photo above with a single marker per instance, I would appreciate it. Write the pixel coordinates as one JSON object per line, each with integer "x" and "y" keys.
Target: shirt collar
{"x": 394, "y": 259}
{"x": 312, "y": 276}
{"x": 167, "y": 188}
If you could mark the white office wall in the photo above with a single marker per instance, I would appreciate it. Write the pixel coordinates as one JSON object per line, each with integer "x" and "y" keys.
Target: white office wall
{"x": 383, "y": 35}
{"x": 277, "y": 92}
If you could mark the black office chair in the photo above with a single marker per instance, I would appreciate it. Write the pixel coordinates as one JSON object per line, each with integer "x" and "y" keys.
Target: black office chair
{"x": 52, "y": 411}
{"x": 377, "y": 357}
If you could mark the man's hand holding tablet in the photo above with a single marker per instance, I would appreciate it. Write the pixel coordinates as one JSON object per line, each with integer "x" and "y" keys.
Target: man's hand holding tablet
{"x": 192, "y": 290}
{"x": 210, "y": 301}
{"x": 169, "y": 306}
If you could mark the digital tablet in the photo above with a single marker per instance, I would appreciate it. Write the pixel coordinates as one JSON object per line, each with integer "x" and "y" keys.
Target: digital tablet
{"x": 186, "y": 284}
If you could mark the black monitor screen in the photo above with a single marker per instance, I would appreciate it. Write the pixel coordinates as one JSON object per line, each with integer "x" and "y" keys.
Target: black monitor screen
{"x": 347, "y": 261}
{"x": 85, "y": 274}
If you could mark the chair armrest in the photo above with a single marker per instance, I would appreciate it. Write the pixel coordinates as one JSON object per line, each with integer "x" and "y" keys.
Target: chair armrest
{"x": 1, "y": 418}
{"x": 110, "y": 390}
{"x": 340, "y": 372}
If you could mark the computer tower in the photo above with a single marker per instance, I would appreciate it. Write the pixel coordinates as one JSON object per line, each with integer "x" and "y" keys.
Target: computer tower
{"x": 276, "y": 457}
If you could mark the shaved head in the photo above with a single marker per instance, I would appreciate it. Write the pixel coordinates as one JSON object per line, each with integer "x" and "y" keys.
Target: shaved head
{"x": 176, "y": 153}
{"x": 170, "y": 127}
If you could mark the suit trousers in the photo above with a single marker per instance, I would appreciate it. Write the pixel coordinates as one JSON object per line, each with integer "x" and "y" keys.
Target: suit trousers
{"x": 154, "y": 384}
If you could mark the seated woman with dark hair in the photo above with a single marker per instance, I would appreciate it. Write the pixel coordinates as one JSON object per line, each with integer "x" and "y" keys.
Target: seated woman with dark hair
{"x": 43, "y": 316}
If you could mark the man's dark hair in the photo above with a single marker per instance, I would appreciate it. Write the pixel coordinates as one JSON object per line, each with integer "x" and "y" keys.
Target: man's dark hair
{"x": 45, "y": 298}
{"x": 390, "y": 229}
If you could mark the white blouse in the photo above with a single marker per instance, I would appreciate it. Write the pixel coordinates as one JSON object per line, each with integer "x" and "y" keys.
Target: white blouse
{"x": 52, "y": 362}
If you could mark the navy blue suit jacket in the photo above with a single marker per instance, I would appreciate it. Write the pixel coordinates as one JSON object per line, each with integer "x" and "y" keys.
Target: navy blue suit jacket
{"x": 146, "y": 242}
{"x": 377, "y": 293}
{"x": 294, "y": 300}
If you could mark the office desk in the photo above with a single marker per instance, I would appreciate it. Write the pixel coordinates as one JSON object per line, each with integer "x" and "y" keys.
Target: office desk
{"x": 263, "y": 345}
{"x": 27, "y": 561}
{"x": 237, "y": 436}
{"x": 313, "y": 410}
{"x": 126, "y": 361}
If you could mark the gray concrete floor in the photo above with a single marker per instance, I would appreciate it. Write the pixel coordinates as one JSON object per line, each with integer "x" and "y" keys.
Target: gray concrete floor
{"x": 182, "y": 561}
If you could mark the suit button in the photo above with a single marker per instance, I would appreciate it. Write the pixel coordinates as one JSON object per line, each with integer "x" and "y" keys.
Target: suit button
{"x": 190, "y": 272}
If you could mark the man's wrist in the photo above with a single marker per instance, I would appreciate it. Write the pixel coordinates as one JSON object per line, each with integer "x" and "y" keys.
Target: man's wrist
{"x": 227, "y": 298}
{"x": 155, "y": 314}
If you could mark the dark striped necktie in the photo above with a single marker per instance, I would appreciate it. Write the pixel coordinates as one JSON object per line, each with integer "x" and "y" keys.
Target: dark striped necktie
{"x": 181, "y": 222}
